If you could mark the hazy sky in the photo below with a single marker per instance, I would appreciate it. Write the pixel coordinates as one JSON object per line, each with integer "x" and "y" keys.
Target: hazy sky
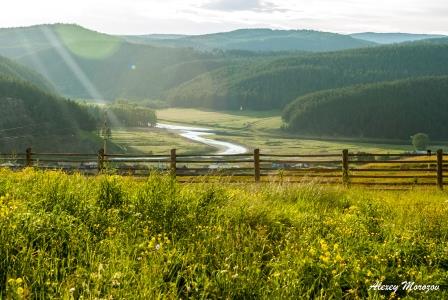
{"x": 205, "y": 16}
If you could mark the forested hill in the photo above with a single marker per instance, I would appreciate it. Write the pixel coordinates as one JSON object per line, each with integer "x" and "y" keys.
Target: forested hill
{"x": 259, "y": 40}
{"x": 275, "y": 83}
{"x": 32, "y": 117}
{"x": 10, "y": 69}
{"x": 391, "y": 110}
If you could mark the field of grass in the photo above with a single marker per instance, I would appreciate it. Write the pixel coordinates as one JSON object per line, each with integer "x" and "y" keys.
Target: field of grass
{"x": 155, "y": 141}
{"x": 262, "y": 130}
{"x": 235, "y": 120}
{"x": 110, "y": 237}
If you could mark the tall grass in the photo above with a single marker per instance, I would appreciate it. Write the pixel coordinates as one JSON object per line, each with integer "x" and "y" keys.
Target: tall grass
{"x": 68, "y": 236}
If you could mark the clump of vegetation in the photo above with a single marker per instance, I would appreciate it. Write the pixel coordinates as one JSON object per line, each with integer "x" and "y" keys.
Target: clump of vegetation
{"x": 69, "y": 236}
{"x": 420, "y": 141}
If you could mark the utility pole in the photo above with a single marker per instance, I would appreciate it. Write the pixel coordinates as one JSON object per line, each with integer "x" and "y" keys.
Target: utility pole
{"x": 106, "y": 132}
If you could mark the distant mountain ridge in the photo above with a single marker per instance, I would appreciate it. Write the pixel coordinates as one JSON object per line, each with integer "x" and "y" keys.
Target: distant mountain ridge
{"x": 394, "y": 38}
{"x": 279, "y": 40}
{"x": 258, "y": 40}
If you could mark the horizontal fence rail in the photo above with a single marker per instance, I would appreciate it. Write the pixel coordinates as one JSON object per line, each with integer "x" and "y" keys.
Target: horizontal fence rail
{"x": 365, "y": 169}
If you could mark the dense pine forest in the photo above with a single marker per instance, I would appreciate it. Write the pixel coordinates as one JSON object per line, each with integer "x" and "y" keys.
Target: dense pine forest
{"x": 391, "y": 110}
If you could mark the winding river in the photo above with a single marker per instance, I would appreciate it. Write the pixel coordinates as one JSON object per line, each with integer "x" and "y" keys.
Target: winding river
{"x": 197, "y": 134}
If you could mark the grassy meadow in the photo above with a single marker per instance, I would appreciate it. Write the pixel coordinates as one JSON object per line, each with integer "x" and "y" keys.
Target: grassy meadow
{"x": 248, "y": 128}
{"x": 262, "y": 130}
{"x": 155, "y": 141}
{"x": 232, "y": 120}
{"x": 109, "y": 237}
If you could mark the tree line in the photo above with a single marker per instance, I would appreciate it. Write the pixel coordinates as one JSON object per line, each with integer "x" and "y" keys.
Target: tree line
{"x": 122, "y": 114}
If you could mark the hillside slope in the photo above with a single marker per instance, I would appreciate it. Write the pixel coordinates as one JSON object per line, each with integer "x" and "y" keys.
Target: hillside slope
{"x": 30, "y": 117}
{"x": 86, "y": 64}
{"x": 9, "y": 68}
{"x": 274, "y": 83}
{"x": 391, "y": 110}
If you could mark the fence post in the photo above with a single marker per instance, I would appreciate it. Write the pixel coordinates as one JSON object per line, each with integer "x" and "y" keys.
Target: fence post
{"x": 257, "y": 165}
{"x": 173, "y": 166}
{"x": 429, "y": 153}
{"x": 440, "y": 169}
{"x": 345, "y": 176}
{"x": 100, "y": 160}
{"x": 29, "y": 157}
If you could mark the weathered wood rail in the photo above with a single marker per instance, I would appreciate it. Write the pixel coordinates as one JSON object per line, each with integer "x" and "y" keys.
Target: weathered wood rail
{"x": 369, "y": 169}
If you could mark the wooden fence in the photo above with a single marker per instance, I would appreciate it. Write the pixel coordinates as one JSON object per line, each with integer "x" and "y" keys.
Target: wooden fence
{"x": 370, "y": 169}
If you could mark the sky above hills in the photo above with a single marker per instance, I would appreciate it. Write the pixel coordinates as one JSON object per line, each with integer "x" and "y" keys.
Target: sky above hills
{"x": 207, "y": 16}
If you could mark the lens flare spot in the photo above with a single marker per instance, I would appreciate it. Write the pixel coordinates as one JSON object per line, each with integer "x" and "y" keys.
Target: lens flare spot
{"x": 86, "y": 43}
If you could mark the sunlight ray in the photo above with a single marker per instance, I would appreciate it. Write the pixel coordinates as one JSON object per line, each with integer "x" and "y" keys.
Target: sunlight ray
{"x": 76, "y": 69}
